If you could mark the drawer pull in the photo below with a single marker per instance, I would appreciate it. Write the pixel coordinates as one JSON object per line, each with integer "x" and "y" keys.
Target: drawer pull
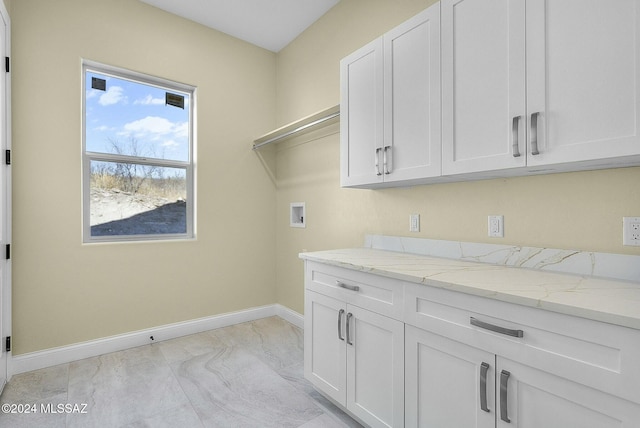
{"x": 534, "y": 133}
{"x": 484, "y": 368}
{"x": 385, "y": 162}
{"x": 378, "y": 150}
{"x": 340, "y": 314}
{"x": 497, "y": 329}
{"x": 347, "y": 286}
{"x": 514, "y": 136}
{"x": 504, "y": 379}
{"x": 349, "y": 315}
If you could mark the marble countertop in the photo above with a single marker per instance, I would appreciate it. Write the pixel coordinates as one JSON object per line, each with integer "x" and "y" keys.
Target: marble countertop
{"x": 607, "y": 300}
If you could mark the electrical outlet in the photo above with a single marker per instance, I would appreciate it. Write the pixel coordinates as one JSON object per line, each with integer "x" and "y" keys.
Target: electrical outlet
{"x": 496, "y": 226}
{"x": 631, "y": 231}
{"x": 414, "y": 223}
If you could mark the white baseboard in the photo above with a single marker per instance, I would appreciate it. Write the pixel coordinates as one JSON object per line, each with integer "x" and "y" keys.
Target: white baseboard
{"x": 290, "y": 315}
{"x": 78, "y": 351}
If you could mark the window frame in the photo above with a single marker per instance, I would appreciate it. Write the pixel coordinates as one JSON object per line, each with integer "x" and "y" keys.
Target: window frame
{"x": 89, "y": 156}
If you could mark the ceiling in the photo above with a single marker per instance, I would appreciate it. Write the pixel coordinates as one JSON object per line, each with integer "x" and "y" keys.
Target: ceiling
{"x": 270, "y": 24}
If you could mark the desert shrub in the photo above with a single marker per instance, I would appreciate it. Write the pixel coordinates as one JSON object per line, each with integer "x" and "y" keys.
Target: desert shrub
{"x": 170, "y": 188}
{"x": 147, "y": 180}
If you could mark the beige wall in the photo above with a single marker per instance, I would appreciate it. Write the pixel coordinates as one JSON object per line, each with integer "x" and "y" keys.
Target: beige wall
{"x": 66, "y": 292}
{"x": 574, "y": 211}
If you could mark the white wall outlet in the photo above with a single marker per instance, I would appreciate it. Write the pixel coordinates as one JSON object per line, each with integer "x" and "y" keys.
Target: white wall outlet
{"x": 414, "y": 223}
{"x": 496, "y": 226}
{"x": 631, "y": 231}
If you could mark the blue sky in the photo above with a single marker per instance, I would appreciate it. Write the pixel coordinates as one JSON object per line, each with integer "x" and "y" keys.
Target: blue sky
{"x": 129, "y": 111}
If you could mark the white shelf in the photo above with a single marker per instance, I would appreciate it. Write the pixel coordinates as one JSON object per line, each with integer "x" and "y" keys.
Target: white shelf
{"x": 299, "y": 127}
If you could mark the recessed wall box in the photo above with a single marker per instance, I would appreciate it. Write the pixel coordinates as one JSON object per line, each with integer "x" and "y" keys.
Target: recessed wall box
{"x": 297, "y": 217}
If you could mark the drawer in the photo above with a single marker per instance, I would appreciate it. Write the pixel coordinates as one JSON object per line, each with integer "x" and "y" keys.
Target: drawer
{"x": 596, "y": 354}
{"x": 376, "y": 293}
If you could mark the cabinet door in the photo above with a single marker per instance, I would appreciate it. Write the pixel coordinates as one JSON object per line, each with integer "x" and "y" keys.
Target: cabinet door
{"x": 412, "y": 136}
{"x": 324, "y": 345}
{"x": 483, "y": 85}
{"x": 536, "y": 399}
{"x": 583, "y": 79}
{"x": 443, "y": 382}
{"x": 361, "y": 116}
{"x": 375, "y": 368}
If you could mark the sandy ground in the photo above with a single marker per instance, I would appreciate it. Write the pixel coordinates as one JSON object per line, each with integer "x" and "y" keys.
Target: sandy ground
{"x": 120, "y": 213}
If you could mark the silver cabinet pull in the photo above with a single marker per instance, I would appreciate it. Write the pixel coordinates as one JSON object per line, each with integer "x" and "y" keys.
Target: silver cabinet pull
{"x": 495, "y": 328}
{"x": 534, "y": 133}
{"x": 378, "y": 161}
{"x": 385, "y": 162}
{"x": 514, "y": 136}
{"x": 484, "y": 368}
{"x": 340, "y": 313}
{"x": 504, "y": 379}
{"x": 349, "y": 315}
{"x": 347, "y": 286}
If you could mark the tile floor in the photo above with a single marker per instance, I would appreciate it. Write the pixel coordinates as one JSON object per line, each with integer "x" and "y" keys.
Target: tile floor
{"x": 245, "y": 375}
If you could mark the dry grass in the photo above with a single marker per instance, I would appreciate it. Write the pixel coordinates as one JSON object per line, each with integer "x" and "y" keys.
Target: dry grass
{"x": 172, "y": 189}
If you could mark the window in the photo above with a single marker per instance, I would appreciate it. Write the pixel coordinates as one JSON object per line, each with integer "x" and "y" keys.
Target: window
{"x": 137, "y": 156}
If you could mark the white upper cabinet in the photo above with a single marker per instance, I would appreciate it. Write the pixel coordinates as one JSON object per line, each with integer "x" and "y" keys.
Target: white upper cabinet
{"x": 361, "y": 115}
{"x": 390, "y": 106}
{"x": 412, "y": 130}
{"x": 539, "y": 83}
{"x": 491, "y": 88}
{"x": 483, "y": 86}
{"x": 583, "y": 78}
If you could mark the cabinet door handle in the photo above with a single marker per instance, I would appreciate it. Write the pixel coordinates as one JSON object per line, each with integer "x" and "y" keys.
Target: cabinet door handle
{"x": 534, "y": 133}
{"x": 340, "y": 313}
{"x": 347, "y": 286}
{"x": 495, "y": 328}
{"x": 378, "y": 161}
{"x": 484, "y": 368}
{"x": 385, "y": 162}
{"x": 504, "y": 379}
{"x": 514, "y": 136}
{"x": 349, "y": 315}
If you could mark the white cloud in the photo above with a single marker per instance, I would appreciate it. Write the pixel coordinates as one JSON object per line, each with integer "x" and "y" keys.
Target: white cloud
{"x": 159, "y": 132}
{"x": 149, "y": 100}
{"x": 151, "y": 125}
{"x": 102, "y": 128}
{"x": 113, "y": 96}
{"x": 170, "y": 144}
{"x": 91, "y": 93}
{"x": 182, "y": 129}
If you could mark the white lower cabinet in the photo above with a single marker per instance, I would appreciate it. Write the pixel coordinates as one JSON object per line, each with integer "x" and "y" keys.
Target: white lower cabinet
{"x": 394, "y": 354}
{"x": 451, "y": 384}
{"x": 479, "y": 363}
{"x": 531, "y": 398}
{"x": 443, "y": 382}
{"x": 325, "y": 353}
{"x": 355, "y": 357}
